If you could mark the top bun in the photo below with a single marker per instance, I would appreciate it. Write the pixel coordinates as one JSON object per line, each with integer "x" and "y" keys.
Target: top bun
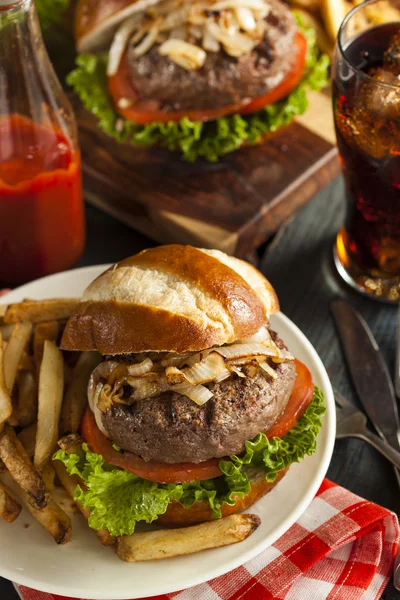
{"x": 171, "y": 298}
{"x": 96, "y": 21}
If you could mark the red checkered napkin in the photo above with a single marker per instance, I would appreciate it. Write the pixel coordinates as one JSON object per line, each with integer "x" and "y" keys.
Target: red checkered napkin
{"x": 341, "y": 548}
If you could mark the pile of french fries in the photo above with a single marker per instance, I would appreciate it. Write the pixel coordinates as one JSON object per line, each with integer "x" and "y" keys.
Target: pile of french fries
{"x": 326, "y": 16}
{"x": 43, "y": 395}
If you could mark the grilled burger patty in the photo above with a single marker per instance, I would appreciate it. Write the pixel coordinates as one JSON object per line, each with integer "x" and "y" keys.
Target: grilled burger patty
{"x": 171, "y": 428}
{"x": 223, "y": 80}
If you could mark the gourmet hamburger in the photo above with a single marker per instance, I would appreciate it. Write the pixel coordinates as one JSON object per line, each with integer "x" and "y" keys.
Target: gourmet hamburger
{"x": 201, "y": 76}
{"x": 197, "y": 408}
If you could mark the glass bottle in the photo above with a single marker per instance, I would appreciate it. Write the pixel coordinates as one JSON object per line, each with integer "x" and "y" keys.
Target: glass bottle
{"x": 41, "y": 206}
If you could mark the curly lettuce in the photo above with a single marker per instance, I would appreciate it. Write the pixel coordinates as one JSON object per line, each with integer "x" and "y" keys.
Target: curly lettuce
{"x": 118, "y": 499}
{"x": 194, "y": 139}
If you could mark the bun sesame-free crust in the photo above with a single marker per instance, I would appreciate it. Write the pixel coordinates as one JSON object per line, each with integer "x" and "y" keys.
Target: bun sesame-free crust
{"x": 171, "y": 298}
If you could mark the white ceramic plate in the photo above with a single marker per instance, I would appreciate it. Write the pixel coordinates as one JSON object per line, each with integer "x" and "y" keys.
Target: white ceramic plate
{"x": 85, "y": 569}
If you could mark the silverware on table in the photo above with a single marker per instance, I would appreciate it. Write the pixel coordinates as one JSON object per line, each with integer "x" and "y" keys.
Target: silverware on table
{"x": 396, "y": 572}
{"x": 368, "y": 371}
{"x": 373, "y": 384}
{"x": 351, "y": 422}
{"x": 397, "y": 368}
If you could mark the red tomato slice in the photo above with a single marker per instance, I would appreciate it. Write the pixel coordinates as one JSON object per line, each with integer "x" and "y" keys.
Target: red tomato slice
{"x": 299, "y": 400}
{"x": 147, "y": 111}
{"x": 152, "y": 470}
{"x": 182, "y": 472}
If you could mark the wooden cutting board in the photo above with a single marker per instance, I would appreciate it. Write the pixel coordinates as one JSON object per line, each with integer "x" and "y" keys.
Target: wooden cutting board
{"x": 234, "y": 205}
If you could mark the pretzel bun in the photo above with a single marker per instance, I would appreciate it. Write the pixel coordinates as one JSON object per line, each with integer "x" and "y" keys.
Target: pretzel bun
{"x": 171, "y": 298}
{"x": 96, "y": 21}
{"x": 177, "y": 515}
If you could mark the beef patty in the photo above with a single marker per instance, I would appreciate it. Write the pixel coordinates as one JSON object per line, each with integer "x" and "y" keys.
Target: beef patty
{"x": 223, "y": 80}
{"x": 171, "y": 428}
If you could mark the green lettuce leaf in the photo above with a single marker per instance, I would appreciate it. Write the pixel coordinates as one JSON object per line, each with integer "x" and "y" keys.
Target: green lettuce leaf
{"x": 118, "y": 499}
{"x": 50, "y": 11}
{"x": 194, "y": 139}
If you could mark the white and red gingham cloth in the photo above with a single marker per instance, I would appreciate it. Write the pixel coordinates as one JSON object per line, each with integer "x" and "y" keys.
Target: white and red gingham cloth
{"x": 341, "y": 548}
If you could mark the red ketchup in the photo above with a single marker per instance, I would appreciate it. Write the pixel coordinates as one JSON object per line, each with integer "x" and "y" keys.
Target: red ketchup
{"x": 41, "y": 205}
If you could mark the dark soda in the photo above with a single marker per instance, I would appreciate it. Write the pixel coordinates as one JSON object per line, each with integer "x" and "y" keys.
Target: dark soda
{"x": 367, "y": 120}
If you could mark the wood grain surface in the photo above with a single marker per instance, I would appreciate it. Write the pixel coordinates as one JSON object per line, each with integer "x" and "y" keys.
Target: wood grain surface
{"x": 299, "y": 264}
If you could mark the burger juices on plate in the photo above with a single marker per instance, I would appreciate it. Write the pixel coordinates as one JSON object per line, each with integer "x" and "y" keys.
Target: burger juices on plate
{"x": 200, "y": 76}
{"x": 198, "y": 408}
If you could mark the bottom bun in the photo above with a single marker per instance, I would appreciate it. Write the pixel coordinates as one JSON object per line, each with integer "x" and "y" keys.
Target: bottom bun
{"x": 179, "y": 516}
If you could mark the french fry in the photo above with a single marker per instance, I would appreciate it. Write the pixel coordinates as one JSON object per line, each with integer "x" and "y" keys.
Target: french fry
{"x": 71, "y": 443}
{"x": 48, "y": 330}
{"x": 48, "y": 475}
{"x": 51, "y": 517}
{"x": 382, "y": 14}
{"x": 333, "y": 12}
{"x": 64, "y": 500}
{"x": 5, "y": 399}
{"x": 26, "y": 363}
{"x": 37, "y": 311}
{"x": 6, "y": 331}
{"x": 75, "y": 400}
{"x": 27, "y": 398}
{"x": 27, "y": 437}
{"x": 15, "y": 458}
{"x": 3, "y": 310}
{"x": 9, "y": 506}
{"x": 167, "y": 543}
{"x": 308, "y": 5}
{"x": 14, "y": 351}
{"x": 51, "y": 388}
{"x": 70, "y": 483}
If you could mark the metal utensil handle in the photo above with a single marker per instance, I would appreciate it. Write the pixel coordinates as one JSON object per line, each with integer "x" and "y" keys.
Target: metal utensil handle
{"x": 382, "y": 447}
{"x": 397, "y": 368}
{"x": 396, "y": 572}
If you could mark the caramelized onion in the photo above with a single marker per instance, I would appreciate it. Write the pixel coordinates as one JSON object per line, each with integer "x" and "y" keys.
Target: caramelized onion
{"x": 178, "y": 50}
{"x": 97, "y": 415}
{"x": 182, "y": 373}
{"x": 197, "y": 393}
{"x": 119, "y": 44}
{"x": 141, "y": 368}
{"x": 151, "y": 389}
{"x": 236, "y": 370}
{"x": 102, "y": 371}
{"x": 268, "y": 369}
{"x": 176, "y": 360}
{"x": 174, "y": 375}
{"x": 247, "y": 350}
{"x": 185, "y": 30}
{"x": 206, "y": 370}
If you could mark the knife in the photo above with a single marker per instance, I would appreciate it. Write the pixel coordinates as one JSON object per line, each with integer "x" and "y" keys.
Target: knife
{"x": 397, "y": 367}
{"x": 368, "y": 371}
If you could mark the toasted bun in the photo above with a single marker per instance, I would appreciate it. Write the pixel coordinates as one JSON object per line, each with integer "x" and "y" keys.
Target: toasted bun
{"x": 179, "y": 516}
{"x": 171, "y": 298}
{"x": 97, "y": 20}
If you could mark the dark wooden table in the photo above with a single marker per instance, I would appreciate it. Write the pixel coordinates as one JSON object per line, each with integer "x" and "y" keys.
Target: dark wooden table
{"x": 299, "y": 264}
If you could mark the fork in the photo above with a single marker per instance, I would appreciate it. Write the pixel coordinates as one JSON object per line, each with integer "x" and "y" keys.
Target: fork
{"x": 351, "y": 422}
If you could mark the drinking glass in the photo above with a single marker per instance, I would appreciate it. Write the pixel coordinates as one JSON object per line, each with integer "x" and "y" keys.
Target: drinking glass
{"x": 366, "y": 104}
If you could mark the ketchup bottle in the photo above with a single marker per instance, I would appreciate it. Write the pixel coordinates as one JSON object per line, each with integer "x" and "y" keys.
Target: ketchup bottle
{"x": 41, "y": 206}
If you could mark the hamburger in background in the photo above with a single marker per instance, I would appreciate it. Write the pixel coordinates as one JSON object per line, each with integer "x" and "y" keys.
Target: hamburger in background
{"x": 197, "y": 408}
{"x": 199, "y": 76}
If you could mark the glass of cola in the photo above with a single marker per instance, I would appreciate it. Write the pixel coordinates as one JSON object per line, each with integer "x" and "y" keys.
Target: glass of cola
{"x": 366, "y": 104}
